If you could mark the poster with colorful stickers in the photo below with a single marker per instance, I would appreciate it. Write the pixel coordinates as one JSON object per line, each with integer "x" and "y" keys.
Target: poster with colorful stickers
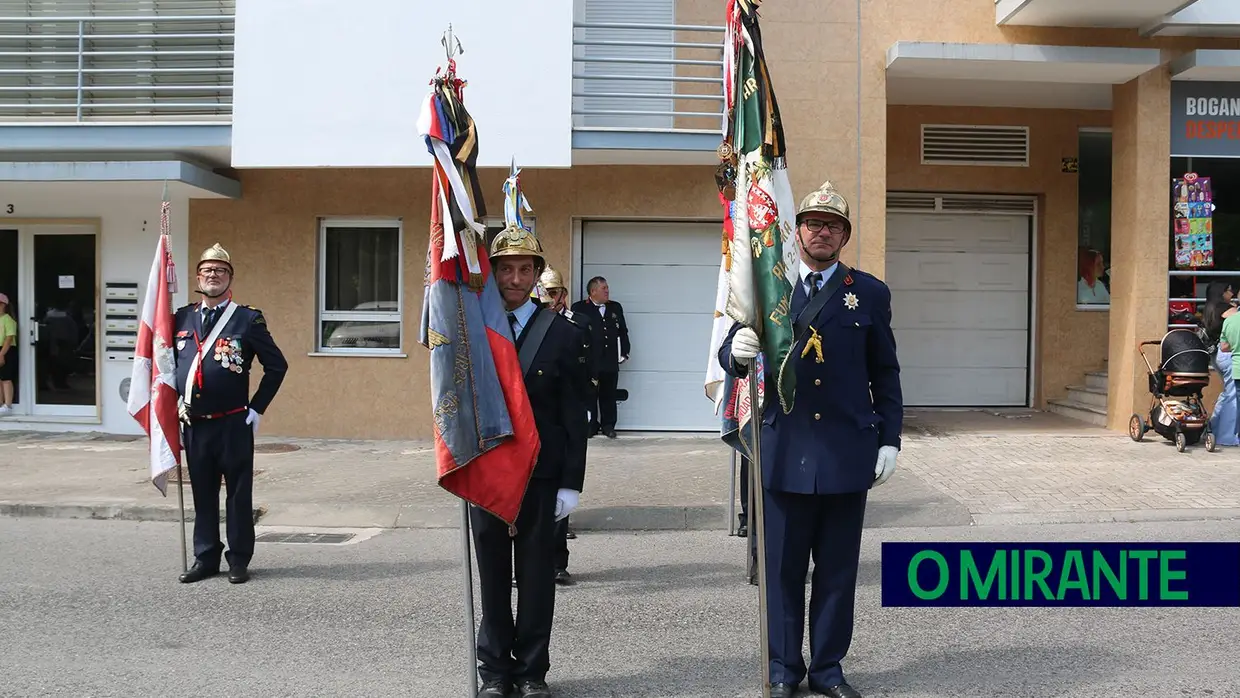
{"x": 1194, "y": 227}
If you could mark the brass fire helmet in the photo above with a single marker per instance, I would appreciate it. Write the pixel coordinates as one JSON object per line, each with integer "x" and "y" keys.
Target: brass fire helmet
{"x": 825, "y": 199}
{"x": 515, "y": 241}
{"x": 549, "y": 280}
{"x": 552, "y": 279}
{"x": 215, "y": 253}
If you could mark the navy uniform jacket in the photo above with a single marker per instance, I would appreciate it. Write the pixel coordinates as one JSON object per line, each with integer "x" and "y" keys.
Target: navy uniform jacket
{"x": 244, "y": 337}
{"x": 589, "y": 357}
{"x": 553, "y": 383}
{"x": 845, "y": 407}
{"x": 608, "y": 330}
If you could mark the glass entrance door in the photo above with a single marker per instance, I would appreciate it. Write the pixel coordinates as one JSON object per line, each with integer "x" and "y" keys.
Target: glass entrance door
{"x": 58, "y": 315}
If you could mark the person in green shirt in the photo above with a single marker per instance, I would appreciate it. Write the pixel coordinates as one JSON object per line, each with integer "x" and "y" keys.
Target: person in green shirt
{"x": 8, "y": 355}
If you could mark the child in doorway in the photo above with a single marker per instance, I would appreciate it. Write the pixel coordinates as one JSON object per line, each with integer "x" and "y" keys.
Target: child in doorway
{"x": 8, "y": 356}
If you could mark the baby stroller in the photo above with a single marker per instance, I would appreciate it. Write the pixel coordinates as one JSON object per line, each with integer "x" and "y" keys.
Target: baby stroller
{"x": 1177, "y": 412}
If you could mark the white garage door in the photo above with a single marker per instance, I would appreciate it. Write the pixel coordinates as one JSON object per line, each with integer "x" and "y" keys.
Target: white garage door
{"x": 960, "y": 305}
{"x": 664, "y": 275}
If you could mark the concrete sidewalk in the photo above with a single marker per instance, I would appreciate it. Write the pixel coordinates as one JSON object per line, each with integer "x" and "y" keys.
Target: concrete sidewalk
{"x": 956, "y": 468}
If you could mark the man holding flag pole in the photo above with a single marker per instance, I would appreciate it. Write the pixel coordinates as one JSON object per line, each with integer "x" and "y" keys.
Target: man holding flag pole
{"x": 816, "y": 336}
{"x": 510, "y": 424}
{"x": 152, "y": 386}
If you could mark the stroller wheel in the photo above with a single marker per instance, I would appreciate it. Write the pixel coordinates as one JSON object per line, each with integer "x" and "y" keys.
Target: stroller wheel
{"x": 1136, "y": 427}
{"x": 1210, "y": 445}
{"x": 1181, "y": 441}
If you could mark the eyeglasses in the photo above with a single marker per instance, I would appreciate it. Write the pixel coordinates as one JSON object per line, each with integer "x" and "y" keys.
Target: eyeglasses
{"x": 833, "y": 227}
{"x": 213, "y": 271}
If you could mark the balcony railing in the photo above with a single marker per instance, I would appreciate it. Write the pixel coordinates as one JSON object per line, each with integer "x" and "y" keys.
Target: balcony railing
{"x": 135, "y": 68}
{"x": 647, "y": 77}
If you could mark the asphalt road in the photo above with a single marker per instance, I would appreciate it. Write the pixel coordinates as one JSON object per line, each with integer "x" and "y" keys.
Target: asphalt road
{"x": 93, "y": 608}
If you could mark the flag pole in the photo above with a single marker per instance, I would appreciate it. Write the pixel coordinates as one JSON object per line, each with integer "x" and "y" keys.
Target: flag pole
{"x": 732, "y": 496}
{"x": 182, "y": 468}
{"x": 471, "y": 649}
{"x": 452, "y": 48}
{"x": 759, "y": 527}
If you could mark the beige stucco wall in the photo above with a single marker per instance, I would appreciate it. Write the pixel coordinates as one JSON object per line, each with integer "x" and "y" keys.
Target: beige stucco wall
{"x": 272, "y": 233}
{"x": 812, "y": 47}
{"x": 1069, "y": 342}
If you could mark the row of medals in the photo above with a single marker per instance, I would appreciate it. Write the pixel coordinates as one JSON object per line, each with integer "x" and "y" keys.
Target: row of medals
{"x": 224, "y": 354}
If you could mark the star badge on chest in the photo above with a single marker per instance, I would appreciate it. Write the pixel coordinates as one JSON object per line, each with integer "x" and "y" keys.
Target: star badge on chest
{"x": 850, "y": 301}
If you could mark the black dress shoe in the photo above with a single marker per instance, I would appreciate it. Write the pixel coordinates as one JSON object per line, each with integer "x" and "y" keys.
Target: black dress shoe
{"x": 783, "y": 690}
{"x": 199, "y": 572}
{"x": 742, "y": 531}
{"x": 610, "y": 433}
{"x": 494, "y": 689}
{"x": 238, "y": 575}
{"x": 563, "y": 578}
{"x": 533, "y": 689}
{"x": 842, "y": 690}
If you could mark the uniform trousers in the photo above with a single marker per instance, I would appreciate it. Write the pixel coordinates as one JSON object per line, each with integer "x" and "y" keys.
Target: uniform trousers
{"x": 214, "y": 448}
{"x": 561, "y": 544}
{"x": 507, "y": 649}
{"x": 604, "y": 413}
{"x": 828, "y": 527}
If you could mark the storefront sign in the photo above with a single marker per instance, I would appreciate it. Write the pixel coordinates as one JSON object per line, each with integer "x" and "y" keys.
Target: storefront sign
{"x": 1205, "y": 119}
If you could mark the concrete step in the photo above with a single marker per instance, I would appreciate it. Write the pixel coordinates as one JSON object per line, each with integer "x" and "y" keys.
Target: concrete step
{"x": 1079, "y": 411}
{"x": 1094, "y": 397}
{"x": 1096, "y": 379}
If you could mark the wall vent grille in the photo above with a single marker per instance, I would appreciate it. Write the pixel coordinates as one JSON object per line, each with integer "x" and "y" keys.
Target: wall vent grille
{"x": 992, "y": 146}
{"x": 902, "y": 201}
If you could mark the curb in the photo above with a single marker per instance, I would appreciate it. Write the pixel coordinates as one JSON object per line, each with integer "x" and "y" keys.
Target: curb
{"x": 604, "y": 519}
{"x": 104, "y": 512}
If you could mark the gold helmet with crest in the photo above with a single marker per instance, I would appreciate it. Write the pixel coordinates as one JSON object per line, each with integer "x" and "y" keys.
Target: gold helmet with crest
{"x": 215, "y": 253}
{"x": 825, "y": 199}
{"x": 516, "y": 240}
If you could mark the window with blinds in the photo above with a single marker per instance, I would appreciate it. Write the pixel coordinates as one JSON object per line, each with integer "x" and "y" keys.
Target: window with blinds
{"x": 101, "y": 60}
{"x": 609, "y": 85}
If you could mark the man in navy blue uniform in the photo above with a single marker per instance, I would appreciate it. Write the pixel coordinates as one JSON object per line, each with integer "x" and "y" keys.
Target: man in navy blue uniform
{"x": 516, "y": 652}
{"x": 819, "y": 461}
{"x": 216, "y": 343}
{"x": 553, "y": 295}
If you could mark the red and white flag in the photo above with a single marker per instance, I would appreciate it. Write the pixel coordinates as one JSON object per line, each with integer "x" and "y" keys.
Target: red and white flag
{"x": 152, "y": 388}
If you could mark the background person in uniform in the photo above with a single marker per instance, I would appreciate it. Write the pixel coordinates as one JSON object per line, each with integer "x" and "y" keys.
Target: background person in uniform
{"x": 820, "y": 460}
{"x": 556, "y": 299}
{"x": 518, "y": 653}
{"x": 216, "y": 344}
{"x": 610, "y": 337}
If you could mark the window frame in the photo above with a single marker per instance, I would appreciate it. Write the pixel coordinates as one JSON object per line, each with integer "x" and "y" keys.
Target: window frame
{"x": 322, "y": 315}
{"x": 1076, "y": 279}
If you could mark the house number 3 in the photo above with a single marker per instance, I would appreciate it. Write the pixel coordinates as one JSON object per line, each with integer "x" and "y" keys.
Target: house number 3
{"x": 8, "y": 208}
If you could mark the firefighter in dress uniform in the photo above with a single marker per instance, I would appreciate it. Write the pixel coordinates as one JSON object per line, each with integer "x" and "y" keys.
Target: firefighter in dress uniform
{"x": 216, "y": 344}
{"x": 516, "y": 653}
{"x": 820, "y": 460}
{"x": 554, "y": 295}
{"x": 609, "y": 333}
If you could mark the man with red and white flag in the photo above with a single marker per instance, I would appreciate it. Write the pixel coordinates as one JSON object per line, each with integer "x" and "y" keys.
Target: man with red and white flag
{"x": 152, "y": 387}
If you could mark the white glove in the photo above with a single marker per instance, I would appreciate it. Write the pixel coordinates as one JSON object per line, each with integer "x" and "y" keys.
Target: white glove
{"x": 565, "y": 502}
{"x": 886, "y": 464}
{"x": 252, "y": 419}
{"x": 745, "y": 345}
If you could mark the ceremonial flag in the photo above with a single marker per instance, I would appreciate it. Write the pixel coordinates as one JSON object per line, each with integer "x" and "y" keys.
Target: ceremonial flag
{"x": 761, "y": 262}
{"x": 486, "y": 442}
{"x": 152, "y": 386}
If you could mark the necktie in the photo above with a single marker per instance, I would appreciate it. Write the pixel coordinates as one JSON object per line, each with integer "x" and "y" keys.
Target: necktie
{"x": 813, "y": 280}
{"x": 209, "y": 321}
{"x": 512, "y": 322}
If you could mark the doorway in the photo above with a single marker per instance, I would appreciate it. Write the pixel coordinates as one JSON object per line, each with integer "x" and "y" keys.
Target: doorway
{"x": 49, "y": 273}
